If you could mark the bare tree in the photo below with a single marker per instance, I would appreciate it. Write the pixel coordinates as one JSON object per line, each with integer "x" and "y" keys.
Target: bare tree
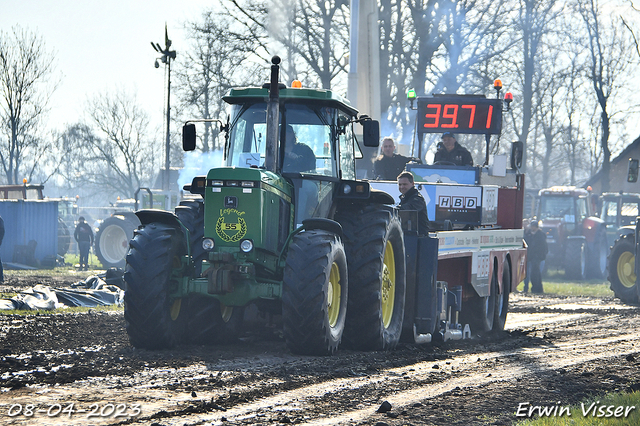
{"x": 214, "y": 63}
{"x": 26, "y": 84}
{"x": 534, "y": 21}
{"x": 121, "y": 144}
{"x": 607, "y": 45}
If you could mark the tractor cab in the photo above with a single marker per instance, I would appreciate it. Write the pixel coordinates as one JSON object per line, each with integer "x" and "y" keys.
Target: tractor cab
{"x": 314, "y": 146}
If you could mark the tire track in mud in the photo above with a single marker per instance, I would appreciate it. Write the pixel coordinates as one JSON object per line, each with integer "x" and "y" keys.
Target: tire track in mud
{"x": 402, "y": 387}
{"x": 419, "y": 380}
{"x": 242, "y": 388}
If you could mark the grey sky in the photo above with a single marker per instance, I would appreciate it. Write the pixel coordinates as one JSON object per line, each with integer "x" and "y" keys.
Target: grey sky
{"x": 101, "y": 46}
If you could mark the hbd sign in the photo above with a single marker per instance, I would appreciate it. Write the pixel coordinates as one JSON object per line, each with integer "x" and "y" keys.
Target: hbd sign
{"x": 459, "y": 204}
{"x": 456, "y": 202}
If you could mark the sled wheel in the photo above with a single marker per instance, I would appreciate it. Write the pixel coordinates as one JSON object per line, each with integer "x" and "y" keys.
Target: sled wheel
{"x": 502, "y": 300}
{"x": 375, "y": 255}
{"x": 314, "y": 293}
{"x": 480, "y": 312}
{"x": 622, "y": 275}
{"x": 153, "y": 319}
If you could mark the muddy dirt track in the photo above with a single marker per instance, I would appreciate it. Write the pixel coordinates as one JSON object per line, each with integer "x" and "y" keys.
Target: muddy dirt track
{"x": 79, "y": 369}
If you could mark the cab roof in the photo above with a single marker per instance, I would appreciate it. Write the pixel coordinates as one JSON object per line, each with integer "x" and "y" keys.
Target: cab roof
{"x": 241, "y": 95}
{"x": 564, "y": 190}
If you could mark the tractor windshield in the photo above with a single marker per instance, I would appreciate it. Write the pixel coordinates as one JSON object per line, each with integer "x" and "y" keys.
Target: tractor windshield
{"x": 306, "y": 145}
{"x": 557, "y": 208}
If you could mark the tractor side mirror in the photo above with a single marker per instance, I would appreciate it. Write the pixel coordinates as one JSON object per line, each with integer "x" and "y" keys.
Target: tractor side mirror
{"x": 189, "y": 137}
{"x": 517, "y": 150}
{"x": 632, "y": 175}
{"x": 371, "y": 133}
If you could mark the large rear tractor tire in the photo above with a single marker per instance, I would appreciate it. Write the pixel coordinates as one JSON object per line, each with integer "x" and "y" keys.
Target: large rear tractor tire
{"x": 575, "y": 259}
{"x": 153, "y": 319}
{"x": 480, "y": 312}
{"x": 502, "y": 299}
{"x": 374, "y": 244}
{"x": 314, "y": 293}
{"x": 112, "y": 239}
{"x": 622, "y": 275}
{"x": 597, "y": 256}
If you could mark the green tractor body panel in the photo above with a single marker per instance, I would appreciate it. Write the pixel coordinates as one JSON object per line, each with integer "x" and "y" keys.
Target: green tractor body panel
{"x": 247, "y": 204}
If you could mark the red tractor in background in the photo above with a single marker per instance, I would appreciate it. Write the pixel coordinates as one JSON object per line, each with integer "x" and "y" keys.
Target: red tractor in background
{"x": 577, "y": 239}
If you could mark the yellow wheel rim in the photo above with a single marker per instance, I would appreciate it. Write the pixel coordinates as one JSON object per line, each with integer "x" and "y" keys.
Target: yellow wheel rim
{"x": 333, "y": 297}
{"x": 175, "y": 309}
{"x": 388, "y": 285}
{"x": 625, "y": 269}
{"x": 225, "y": 312}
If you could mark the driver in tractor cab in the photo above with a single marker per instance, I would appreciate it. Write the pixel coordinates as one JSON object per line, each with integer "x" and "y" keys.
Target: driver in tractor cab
{"x": 450, "y": 151}
{"x": 298, "y": 157}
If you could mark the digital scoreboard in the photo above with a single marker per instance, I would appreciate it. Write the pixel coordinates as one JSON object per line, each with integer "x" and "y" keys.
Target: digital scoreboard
{"x": 459, "y": 114}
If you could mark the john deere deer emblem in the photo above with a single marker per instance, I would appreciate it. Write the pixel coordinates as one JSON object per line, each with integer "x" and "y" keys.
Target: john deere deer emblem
{"x": 230, "y": 226}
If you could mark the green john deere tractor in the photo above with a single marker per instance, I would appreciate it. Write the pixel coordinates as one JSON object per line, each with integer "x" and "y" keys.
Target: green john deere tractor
{"x": 284, "y": 226}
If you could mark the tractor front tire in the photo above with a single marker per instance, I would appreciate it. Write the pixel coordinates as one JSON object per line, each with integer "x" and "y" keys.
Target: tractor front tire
{"x": 575, "y": 259}
{"x": 153, "y": 320}
{"x": 622, "y": 275}
{"x": 314, "y": 293}
{"x": 375, "y": 254}
{"x": 597, "y": 255}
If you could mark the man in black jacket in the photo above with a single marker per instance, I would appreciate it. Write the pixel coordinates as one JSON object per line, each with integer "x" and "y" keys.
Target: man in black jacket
{"x": 411, "y": 199}
{"x": 389, "y": 165}
{"x": 84, "y": 236}
{"x": 1, "y": 237}
{"x": 298, "y": 157}
{"x": 537, "y": 250}
{"x": 450, "y": 151}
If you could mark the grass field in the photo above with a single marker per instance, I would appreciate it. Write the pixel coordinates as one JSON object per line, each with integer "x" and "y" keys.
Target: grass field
{"x": 555, "y": 283}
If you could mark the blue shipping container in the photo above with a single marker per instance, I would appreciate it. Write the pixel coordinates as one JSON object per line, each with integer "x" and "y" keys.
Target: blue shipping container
{"x": 26, "y": 220}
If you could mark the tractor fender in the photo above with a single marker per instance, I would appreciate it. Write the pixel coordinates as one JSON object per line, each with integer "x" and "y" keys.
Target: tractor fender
{"x": 159, "y": 216}
{"x": 591, "y": 226}
{"x": 323, "y": 224}
{"x": 626, "y": 230}
{"x": 381, "y": 197}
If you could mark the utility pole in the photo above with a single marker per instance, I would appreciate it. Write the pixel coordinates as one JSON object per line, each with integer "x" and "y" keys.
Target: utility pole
{"x": 167, "y": 56}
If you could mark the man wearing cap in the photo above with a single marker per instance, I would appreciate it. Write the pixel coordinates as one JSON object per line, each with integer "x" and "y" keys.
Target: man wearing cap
{"x": 389, "y": 165}
{"x": 450, "y": 151}
{"x": 84, "y": 236}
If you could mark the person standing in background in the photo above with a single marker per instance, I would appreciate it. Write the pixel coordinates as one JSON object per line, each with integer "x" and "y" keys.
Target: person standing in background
{"x": 537, "y": 250}
{"x": 389, "y": 165}
{"x": 84, "y": 236}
